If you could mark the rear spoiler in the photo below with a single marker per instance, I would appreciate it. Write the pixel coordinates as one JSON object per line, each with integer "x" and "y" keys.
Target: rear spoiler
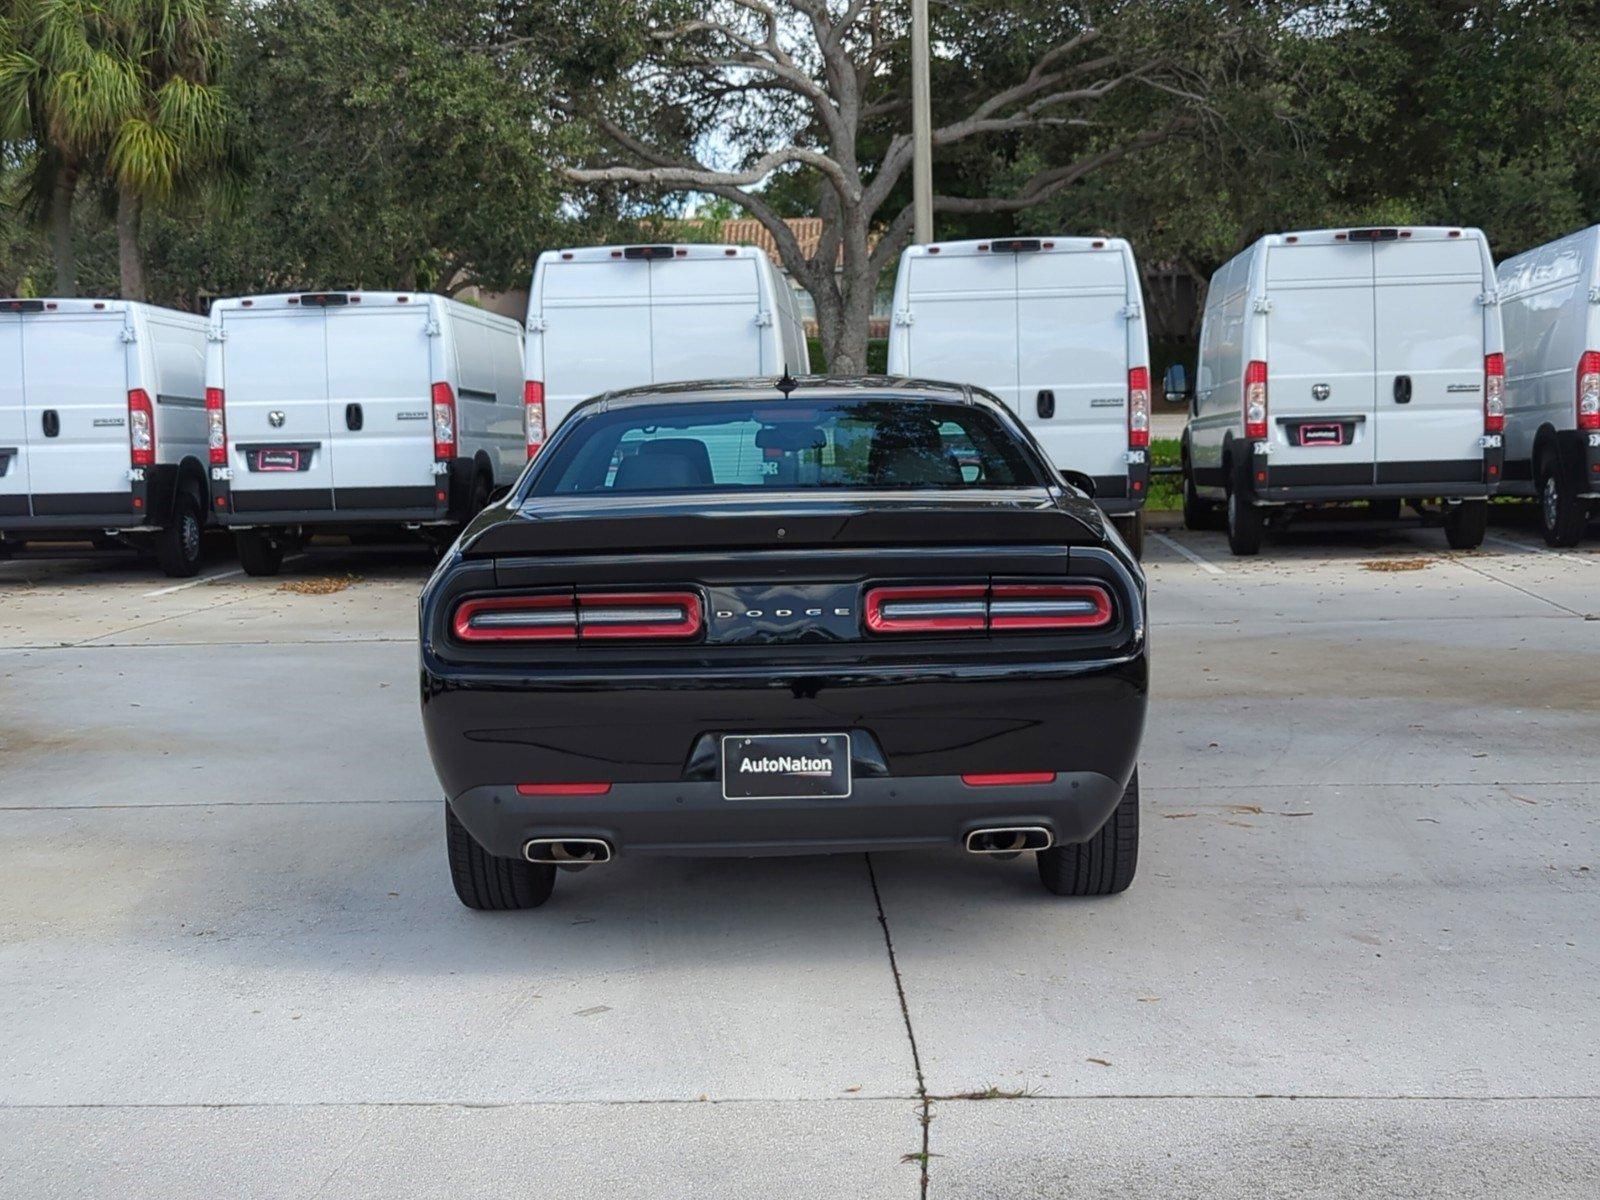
{"x": 632, "y": 524}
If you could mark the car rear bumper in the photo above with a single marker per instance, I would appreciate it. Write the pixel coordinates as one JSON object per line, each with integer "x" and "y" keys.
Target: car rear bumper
{"x": 883, "y": 813}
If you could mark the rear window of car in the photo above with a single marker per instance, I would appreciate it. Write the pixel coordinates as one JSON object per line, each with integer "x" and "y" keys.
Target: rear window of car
{"x": 798, "y": 444}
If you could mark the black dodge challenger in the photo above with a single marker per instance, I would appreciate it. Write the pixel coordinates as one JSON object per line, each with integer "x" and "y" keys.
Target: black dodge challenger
{"x": 786, "y": 617}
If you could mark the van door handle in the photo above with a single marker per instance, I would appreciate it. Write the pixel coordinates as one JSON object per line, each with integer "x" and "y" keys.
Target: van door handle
{"x": 1402, "y": 389}
{"x": 352, "y": 417}
{"x": 1046, "y": 404}
{"x": 51, "y": 422}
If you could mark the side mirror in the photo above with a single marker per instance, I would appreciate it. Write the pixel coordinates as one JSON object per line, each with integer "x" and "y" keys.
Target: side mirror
{"x": 1176, "y": 384}
{"x": 1084, "y": 483}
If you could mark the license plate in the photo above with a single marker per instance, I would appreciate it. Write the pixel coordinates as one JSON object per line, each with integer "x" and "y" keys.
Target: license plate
{"x": 786, "y": 766}
{"x": 1322, "y": 435}
{"x": 278, "y": 460}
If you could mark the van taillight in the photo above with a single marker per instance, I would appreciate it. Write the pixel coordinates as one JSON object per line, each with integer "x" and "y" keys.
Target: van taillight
{"x": 216, "y": 428}
{"x": 1138, "y": 408}
{"x": 533, "y": 414}
{"x": 444, "y": 422}
{"x": 1255, "y": 400}
{"x": 1494, "y": 393}
{"x": 975, "y": 608}
{"x": 141, "y": 429}
{"x": 583, "y": 616}
{"x": 1589, "y": 390}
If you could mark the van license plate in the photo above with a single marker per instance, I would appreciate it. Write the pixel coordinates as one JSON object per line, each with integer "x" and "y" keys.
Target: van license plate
{"x": 1322, "y": 435}
{"x": 278, "y": 460}
{"x": 786, "y": 766}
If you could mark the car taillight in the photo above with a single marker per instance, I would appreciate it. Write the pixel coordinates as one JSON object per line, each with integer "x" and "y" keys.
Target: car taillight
{"x": 533, "y": 414}
{"x": 1009, "y": 779}
{"x": 960, "y": 609}
{"x": 1138, "y": 408}
{"x": 638, "y": 614}
{"x": 1255, "y": 400}
{"x": 444, "y": 422}
{"x": 550, "y": 618}
{"x": 584, "y": 616}
{"x": 216, "y": 428}
{"x": 1049, "y": 606}
{"x": 563, "y": 789}
{"x": 1494, "y": 393}
{"x": 1589, "y": 390}
{"x": 141, "y": 429}
{"x": 974, "y": 608}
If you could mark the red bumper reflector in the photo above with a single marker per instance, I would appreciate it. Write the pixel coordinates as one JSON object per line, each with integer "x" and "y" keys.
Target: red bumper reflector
{"x": 563, "y": 789}
{"x": 1011, "y": 779}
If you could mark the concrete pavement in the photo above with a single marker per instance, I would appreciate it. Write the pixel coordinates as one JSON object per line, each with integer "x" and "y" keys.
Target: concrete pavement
{"x": 1358, "y": 960}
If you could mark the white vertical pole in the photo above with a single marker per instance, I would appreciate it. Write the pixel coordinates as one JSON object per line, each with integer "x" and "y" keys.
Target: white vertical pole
{"x": 921, "y": 127}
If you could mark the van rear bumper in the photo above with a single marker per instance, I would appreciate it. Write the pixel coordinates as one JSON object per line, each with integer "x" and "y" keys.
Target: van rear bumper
{"x": 146, "y": 502}
{"x": 1311, "y": 483}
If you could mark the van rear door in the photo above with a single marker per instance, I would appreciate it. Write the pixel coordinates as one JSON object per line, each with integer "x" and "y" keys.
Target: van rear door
{"x": 1430, "y": 351}
{"x": 275, "y": 383}
{"x": 963, "y": 310}
{"x": 379, "y": 408}
{"x": 75, "y": 412}
{"x": 596, "y": 330}
{"x": 13, "y": 426}
{"x": 1320, "y": 362}
{"x": 703, "y": 319}
{"x": 1072, "y": 357}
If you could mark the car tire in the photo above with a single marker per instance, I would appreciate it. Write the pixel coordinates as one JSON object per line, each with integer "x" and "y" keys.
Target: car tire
{"x": 1105, "y": 864}
{"x": 1384, "y": 510}
{"x": 178, "y": 543}
{"x": 1246, "y": 522}
{"x": 259, "y": 552}
{"x": 1466, "y": 523}
{"x": 1562, "y": 515}
{"x": 1131, "y": 527}
{"x": 488, "y": 882}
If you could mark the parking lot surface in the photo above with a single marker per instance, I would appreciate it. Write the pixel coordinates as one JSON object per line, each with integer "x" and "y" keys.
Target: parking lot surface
{"x": 1359, "y": 958}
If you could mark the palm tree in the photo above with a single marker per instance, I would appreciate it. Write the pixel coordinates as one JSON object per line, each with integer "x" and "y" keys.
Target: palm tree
{"x": 120, "y": 91}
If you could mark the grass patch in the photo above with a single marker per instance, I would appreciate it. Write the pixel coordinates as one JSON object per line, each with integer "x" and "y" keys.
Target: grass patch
{"x": 1166, "y": 491}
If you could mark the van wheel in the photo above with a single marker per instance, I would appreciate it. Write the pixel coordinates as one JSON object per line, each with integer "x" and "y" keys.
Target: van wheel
{"x": 1131, "y": 527}
{"x": 1466, "y": 523}
{"x": 1105, "y": 864}
{"x": 178, "y": 543}
{"x": 259, "y": 552}
{"x": 1245, "y": 520}
{"x": 488, "y": 882}
{"x": 1562, "y": 515}
{"x": 1384, "y": 510}
{"x": 1199, "y": 514}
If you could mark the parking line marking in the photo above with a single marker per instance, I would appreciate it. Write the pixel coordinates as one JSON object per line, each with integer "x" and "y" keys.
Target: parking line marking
{"x": 1203, "y": 564}
{"x": 167, "y": 591}
{"x": 1526, "y": 548}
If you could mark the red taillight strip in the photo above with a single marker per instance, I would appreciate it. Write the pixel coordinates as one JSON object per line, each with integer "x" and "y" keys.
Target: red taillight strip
{"x": 1589, "y": 390}
{"x": 639, "y": 614}
{"x": 216, "y": 427}
{"x": 1138, "y": 408}
{"x": 973, "y": 608}
{"x": 926, "y": 609}
{"x": 563, "y": 789}
{"x": 533, "y": 415}
{"x": 1009, "y": 779}
{"x": 141, "y": 429}
{"x": 1049, "y": 606}
{"x": 517, "y": 619}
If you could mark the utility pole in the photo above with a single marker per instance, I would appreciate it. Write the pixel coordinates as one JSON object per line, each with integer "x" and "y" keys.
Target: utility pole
{"x": 921, "y": 127}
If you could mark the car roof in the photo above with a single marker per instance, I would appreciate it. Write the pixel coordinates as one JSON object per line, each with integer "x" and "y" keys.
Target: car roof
{"x": 809, "y": 387}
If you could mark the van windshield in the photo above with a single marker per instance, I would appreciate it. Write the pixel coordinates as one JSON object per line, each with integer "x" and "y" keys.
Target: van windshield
{"x": 748, "y": 445}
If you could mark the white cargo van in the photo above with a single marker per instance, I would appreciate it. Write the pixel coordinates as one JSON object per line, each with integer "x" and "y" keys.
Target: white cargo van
{"x": 348, "y": 411}
{"x": 607, "y": 317}
{"x": 1550, "y": 306}
{"x": 1343, "y": 365}
{"x": 1055, "y": 327}
{"x": 103, "y": 426}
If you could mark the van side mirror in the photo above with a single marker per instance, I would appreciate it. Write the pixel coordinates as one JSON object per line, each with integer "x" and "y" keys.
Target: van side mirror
{"x": 1176, "y": 384}
{"x": 1084, "y": 483}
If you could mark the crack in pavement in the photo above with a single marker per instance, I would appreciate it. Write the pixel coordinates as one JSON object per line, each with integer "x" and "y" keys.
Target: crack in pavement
{"x": 925, "y": 1114}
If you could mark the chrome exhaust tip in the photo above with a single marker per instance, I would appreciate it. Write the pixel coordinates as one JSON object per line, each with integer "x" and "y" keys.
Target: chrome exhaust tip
{"x": 1009, "y": 839}
{"x": 567, "y": 852}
